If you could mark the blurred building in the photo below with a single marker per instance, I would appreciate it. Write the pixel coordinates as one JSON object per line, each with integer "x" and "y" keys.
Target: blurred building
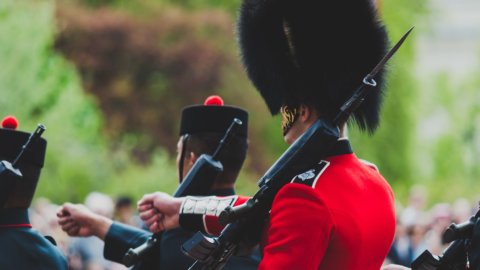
{"x": 449, "y": 38}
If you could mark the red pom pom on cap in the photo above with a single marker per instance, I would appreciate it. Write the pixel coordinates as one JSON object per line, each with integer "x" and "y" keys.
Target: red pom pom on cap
{"x": 213, "y": 101}
{"x": 9, "y": 122}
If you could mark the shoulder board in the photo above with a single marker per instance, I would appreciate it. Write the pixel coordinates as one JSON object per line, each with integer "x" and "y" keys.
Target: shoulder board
{"x": 369, "y": 164}
{"x": 311, "y": 176}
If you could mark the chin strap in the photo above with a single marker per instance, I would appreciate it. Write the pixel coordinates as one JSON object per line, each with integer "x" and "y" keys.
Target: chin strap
{"x": 289, "y": 116}
{"x": 182, "y": 157}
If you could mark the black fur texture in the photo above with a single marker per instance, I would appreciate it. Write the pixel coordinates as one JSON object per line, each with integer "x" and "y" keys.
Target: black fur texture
{"x": 313, "y": 52}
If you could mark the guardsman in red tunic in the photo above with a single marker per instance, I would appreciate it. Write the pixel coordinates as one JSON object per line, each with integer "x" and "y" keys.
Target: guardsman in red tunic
{"x": 21, "y": 246}
{"x": 306, "y": 58}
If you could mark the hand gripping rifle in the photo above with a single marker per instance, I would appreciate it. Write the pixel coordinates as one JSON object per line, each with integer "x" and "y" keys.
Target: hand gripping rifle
{"x": 9, "y": 173}
{"x": 455, "y": 256}
{"x": 198, "y": 182}
{"x": 244, "y": 223}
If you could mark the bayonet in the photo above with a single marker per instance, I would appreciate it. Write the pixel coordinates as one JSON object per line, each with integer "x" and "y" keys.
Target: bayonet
{"x": 368, "y": 81}
{"x": 389, "y": 55}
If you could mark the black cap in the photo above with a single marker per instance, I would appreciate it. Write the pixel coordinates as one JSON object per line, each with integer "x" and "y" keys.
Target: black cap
{"x": 213, "y": 117}
{"x": 314, "y": 53}
{"x": 20, "y": 194}
{"x": 11, "y": 142}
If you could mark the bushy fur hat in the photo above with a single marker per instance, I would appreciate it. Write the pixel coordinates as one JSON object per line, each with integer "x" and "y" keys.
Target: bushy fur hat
{"x": 313, "y": 52}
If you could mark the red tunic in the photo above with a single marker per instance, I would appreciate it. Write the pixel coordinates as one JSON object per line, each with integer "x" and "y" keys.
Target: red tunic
{"x": 337, "y": 216}
{"x": 344, "y": 220}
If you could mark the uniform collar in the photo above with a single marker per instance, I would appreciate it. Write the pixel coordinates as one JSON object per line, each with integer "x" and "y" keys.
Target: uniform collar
{"x": 341, "y": 147}
{"x": 14, "y": 218}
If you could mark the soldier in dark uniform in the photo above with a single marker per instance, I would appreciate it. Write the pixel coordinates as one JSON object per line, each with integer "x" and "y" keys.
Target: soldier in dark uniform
{"x": 201, "y": 129}
{"x": 22, "y": 247}
{"x": 307, "y": 58}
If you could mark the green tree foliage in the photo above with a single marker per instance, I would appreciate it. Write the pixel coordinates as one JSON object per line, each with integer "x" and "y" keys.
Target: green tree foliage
{"x": 134, "y": 64}
{"x": 144, "y": 70}
{"x": 451, "y": 137}
{"x": 391, "y": 147}
{"x": 37, "y": 85}
{"x": 143, "y": 6}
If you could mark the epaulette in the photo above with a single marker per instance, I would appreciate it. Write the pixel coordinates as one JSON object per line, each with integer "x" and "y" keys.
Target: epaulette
{"x": 311, "y": 176}
{"x": 369, "y": 164}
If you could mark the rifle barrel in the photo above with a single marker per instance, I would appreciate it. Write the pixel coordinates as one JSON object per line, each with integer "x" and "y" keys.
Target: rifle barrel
{"x": 33, "y": 137}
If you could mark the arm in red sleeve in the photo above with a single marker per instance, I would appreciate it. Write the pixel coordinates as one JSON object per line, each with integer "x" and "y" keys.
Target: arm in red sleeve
{"x": 299, "y": 230}
{"x": 212, "y": 224}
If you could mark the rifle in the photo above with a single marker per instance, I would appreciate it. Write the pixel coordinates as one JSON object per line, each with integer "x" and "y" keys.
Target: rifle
{"x": 198, "y": 182}
{"x": 454, "y": 257}
{"x": 9, "y": 173}
{"x": 244, "y": 223}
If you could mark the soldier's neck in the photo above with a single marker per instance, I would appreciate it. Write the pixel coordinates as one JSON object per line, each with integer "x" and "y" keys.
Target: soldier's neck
{"x": 222, "y": 185}
{"x": 343, "y": 132}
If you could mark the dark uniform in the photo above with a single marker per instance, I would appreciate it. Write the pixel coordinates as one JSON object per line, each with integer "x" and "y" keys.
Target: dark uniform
{"x": 472, "y": 249}
{"x": 212, "y": 117}
{"x": 167, "y": 255}
{"x": 21, "y": 247}
{"x": 307, "y": 58}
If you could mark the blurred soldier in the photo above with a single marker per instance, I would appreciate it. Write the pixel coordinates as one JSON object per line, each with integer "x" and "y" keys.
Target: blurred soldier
{"x": 307, "y": 58}
{"x": 201, "y": 129}
{"x": 22, "y": 247}
{"x": 125, "y": 212}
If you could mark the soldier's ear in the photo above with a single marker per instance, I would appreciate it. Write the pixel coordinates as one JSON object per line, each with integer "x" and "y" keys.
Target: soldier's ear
{"x": 191, "y": 158}
{"x": 305, "y": 113}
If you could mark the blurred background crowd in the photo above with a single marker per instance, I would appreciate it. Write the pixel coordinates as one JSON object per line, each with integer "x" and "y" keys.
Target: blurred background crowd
{"x": 419, "y": 227}
{"x": 85, "y": 253}
{"x": 108, "y": 78}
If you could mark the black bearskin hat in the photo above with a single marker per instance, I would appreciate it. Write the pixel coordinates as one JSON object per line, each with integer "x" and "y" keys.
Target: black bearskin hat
{"x": 313, "y": 52}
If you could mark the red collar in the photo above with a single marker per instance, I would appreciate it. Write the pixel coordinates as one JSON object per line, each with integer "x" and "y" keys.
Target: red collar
{"x": 14, "y": 218}
{"x": 26, "y": 225}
